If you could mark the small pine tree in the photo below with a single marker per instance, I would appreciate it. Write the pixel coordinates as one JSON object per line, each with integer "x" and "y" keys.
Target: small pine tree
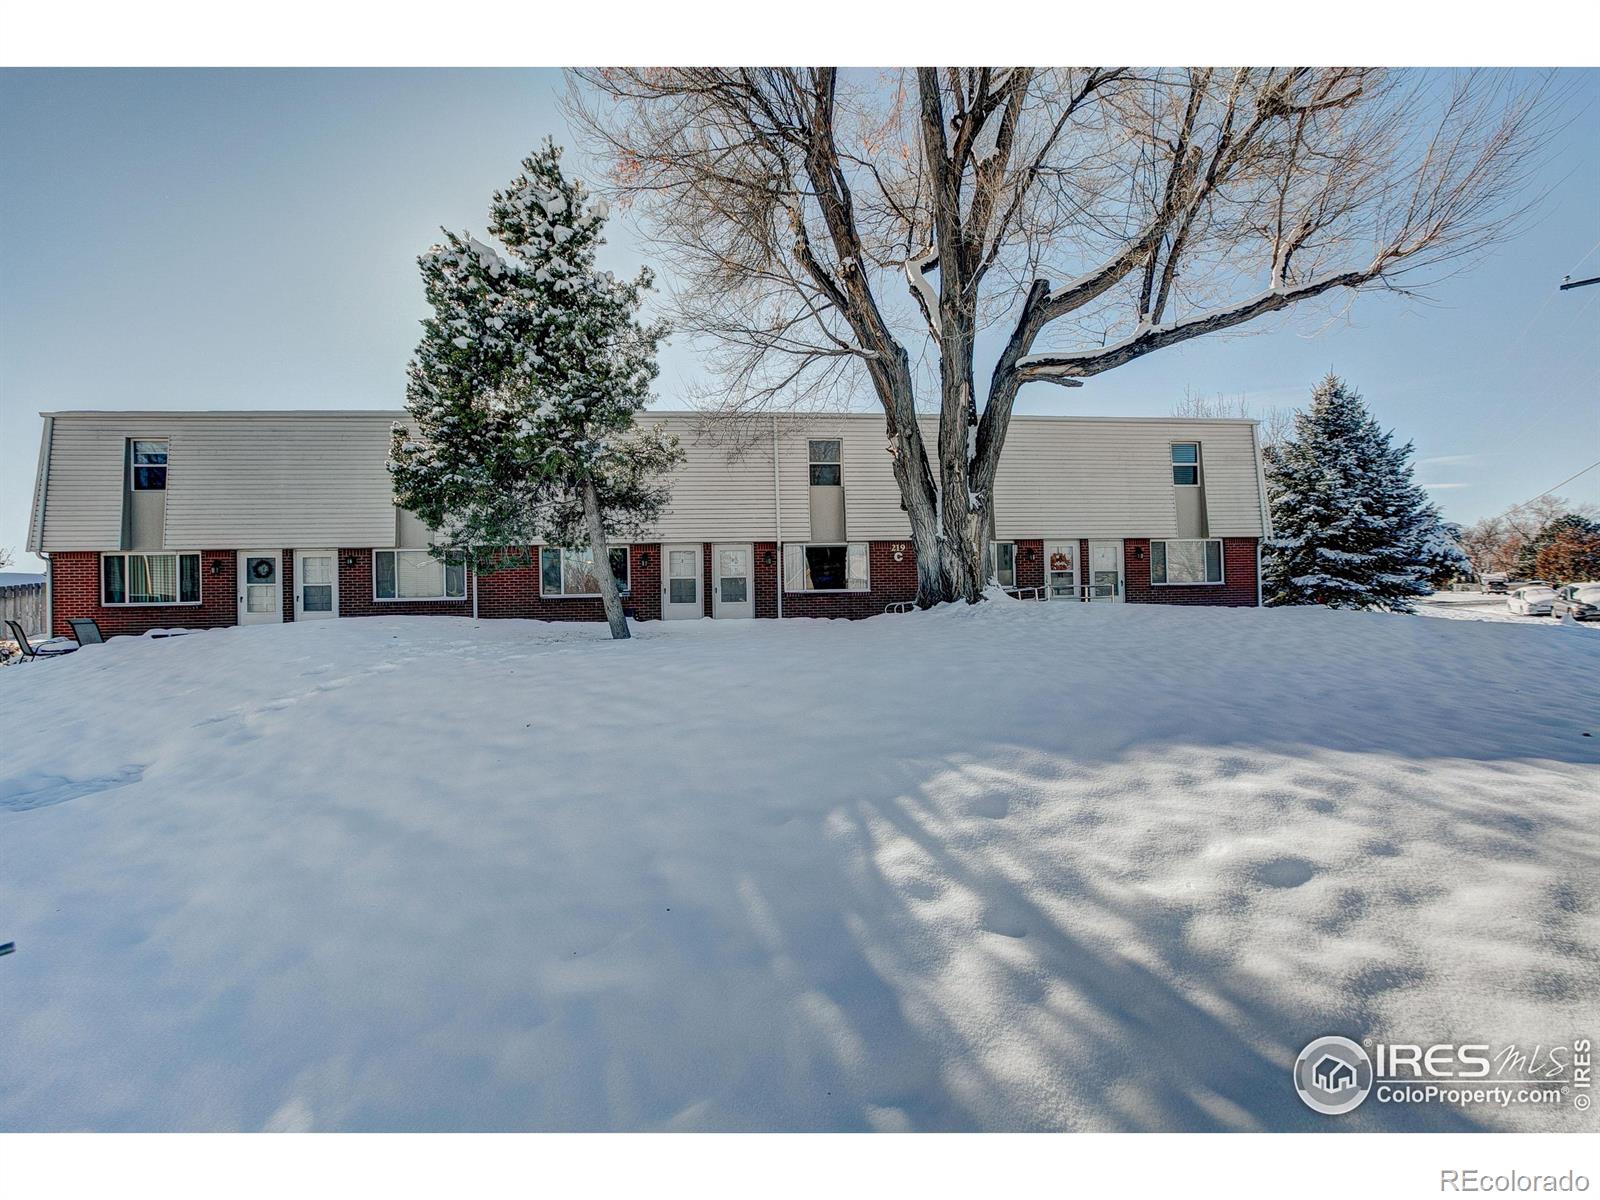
{"x": 1352, "y": 530}
{"x": 526, "y": 384}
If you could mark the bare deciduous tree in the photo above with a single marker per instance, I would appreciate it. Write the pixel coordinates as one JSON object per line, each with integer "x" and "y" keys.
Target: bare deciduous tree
{"x": 828, "y": 228}
{"x": 1274, "y": 425}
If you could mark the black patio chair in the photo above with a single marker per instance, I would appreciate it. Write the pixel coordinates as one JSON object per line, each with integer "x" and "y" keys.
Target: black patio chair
{"x": 30, "y": 651}
{"x": 86, "y": 631}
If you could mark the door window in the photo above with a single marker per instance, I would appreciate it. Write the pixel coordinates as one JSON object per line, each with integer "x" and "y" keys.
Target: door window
{"x": 316, "y": 584}
{"x": 733, "y": 576}
{"x": 1061, "y": 570}
{"x": 261, "y": 584}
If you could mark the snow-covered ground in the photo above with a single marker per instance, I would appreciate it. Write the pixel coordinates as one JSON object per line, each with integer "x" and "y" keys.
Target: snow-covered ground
{"x": 1476, "y": 606}
{"x": 1013, "y": 867}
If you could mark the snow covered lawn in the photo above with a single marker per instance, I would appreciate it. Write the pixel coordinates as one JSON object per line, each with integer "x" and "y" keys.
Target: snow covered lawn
{"x": 1013, "y": 867}
{"x": 1476, "y": 606}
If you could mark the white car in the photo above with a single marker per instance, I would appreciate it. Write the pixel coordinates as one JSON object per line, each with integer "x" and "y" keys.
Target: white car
{"x": 1531, "y": 601}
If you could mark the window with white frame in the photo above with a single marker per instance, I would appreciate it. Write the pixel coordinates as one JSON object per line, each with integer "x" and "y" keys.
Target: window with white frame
{"x": 150, "y": 579}
{"x": 417, "y": 575}
{"x": 840, "y": 567}
{"x": 149, "y": 466}
{"x": 1186, "y": 464}
{"x": 826, "y": 469}
{"x": 1003, "y": 562}
{"x": 1191, "y": 560}
{"x": 572, "y": 572}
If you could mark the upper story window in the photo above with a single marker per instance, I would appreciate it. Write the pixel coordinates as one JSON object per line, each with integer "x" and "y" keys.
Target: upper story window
{"x": 825, "y": 468}
{"x": 149, "y": 466}
{"x": 1186, "y": 464}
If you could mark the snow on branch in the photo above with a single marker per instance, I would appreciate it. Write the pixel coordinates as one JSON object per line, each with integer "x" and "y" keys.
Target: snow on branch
{"x": 917, "y": 267}
{"x": 1053, "y": 366}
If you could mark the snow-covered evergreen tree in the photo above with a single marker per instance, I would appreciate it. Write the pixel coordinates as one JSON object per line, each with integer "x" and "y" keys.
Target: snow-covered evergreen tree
{"x": 524, "y": 389}
{"x": 1352, "y": 529}
{"x": 1439, "y": 552}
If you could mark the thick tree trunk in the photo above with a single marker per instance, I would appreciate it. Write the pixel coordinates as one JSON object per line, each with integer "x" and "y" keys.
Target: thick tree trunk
{"x": 609, "y": 595}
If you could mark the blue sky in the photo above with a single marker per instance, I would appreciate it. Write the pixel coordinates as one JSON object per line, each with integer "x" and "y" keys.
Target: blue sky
{"x": 247, "y": 239}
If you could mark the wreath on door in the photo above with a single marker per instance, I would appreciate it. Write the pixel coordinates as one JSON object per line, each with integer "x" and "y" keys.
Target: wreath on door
{"x": 261, "y": 568}
{"x": 1060, "y": 561}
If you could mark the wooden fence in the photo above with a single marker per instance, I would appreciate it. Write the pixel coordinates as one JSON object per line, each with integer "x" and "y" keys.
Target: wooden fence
{"x": 24, "y": 604}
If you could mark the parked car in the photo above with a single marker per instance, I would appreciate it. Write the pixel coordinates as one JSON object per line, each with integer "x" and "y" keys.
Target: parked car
{"x": 1495, "y": 582}
{"x": 1531, "y": 600}
{"x": 1582, "y": 600}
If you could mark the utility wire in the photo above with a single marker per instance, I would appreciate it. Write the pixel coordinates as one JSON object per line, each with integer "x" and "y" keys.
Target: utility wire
{"x": 1562, "y": 484}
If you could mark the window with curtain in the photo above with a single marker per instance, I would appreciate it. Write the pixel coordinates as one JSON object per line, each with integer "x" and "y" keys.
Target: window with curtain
{"x": 1192, "y": 560}
{"x": 826, "y": 568}
{"x": 572, "y": 572}
{"x": 150, "y": 579}
{"x": 417, "y": 575}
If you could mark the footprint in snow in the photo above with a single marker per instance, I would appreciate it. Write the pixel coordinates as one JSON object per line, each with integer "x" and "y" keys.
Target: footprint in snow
{"x": 1285, "y": 872}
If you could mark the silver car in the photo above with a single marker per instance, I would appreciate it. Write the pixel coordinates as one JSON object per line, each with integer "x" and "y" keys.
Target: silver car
{"x": 1532, "y": 600}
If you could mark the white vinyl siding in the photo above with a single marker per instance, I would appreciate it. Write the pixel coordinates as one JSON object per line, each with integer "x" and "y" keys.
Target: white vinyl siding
{"x": 1108, "y": 477}
{"x": 723, "y": 489}
{"x": 871, "y": 497}
{"x": 319, "y": 478}
{"x": 236, "y": 479}
{"x": 86, "y": 479}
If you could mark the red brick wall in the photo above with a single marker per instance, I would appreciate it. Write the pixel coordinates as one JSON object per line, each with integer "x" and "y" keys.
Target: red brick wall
{"x": 514, "y": 592}
{"x": 767, "y": 579}
{"x": 356, "y": 586}
{"x": 288, "y": 584}
{"x": 75, "y": 592}
{"x": 891, "y": 581}
{"x": 1238, "y": 588}
{"x": 1030, "y": 573}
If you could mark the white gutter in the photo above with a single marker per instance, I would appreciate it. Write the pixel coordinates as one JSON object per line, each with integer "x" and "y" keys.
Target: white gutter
{"x": 35, "y": 542}
{"x": 41, "y": 484}
{"x": 777, "y": 514}
{"x": 1266, "y": 509}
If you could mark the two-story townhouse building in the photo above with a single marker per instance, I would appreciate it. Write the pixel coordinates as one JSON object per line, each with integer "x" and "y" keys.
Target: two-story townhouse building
{"x": 203, "y": 519}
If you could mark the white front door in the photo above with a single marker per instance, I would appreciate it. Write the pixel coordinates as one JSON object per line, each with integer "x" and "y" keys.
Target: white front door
{"x": 680, "y": 583}
{"x": 733, "y": 586}
{"x": 316, "y": 584}
{"x": 260, "y": 587}
{"x": 1061, "y": 570}
{"x": 1105, "y": 570}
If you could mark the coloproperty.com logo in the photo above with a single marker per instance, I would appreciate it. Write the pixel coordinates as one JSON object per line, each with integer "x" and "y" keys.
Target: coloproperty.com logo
{"x": 1335, "y": 1075}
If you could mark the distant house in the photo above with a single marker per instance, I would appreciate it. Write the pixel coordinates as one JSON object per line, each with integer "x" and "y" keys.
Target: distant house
{"x": 1333, "y": 1074}
{"x": 200, "y": 519}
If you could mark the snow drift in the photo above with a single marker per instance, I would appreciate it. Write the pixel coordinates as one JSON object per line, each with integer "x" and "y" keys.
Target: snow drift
{"x": 420, "y": 873}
